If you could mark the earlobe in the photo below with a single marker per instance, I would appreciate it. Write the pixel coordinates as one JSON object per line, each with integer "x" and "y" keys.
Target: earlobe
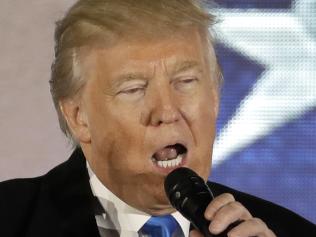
{"x": 76, "y": 119}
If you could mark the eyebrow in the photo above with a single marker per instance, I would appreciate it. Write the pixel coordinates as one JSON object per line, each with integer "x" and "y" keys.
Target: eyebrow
{"x": 185, "y": 65}
{"x": 177, "y": 68}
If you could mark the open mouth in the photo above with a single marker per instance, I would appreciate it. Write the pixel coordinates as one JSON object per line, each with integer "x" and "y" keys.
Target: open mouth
{"x": 170, "y": 156}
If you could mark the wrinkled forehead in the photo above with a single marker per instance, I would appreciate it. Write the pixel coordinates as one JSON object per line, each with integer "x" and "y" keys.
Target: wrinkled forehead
{"x": 187, "y": 38}
{"x": 99, "y": 37}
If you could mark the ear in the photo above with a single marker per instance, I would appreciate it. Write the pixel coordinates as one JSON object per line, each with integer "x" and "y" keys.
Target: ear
{"x": 76, "y": 118}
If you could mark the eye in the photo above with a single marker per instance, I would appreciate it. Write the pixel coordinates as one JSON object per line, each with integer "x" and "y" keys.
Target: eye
{"x": 185, "y": 83}
{"x": 132, "y": 90}
{"x": 188, "y": 80}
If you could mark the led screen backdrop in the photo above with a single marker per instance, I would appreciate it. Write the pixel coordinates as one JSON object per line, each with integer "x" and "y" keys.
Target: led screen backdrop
{"x": 266, "y": 142}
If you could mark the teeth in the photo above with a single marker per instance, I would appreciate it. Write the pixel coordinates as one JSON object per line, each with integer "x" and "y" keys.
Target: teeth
{"x": 170, "y": 163}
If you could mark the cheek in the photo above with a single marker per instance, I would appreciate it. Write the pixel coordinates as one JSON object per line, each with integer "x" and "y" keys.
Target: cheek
{"x": 206, "y": 126}
{"x": 200, "y": 113}
{"x": 201, "y": 117}
{"x": 120, "y": 140}
{"x": 208, "y": 108}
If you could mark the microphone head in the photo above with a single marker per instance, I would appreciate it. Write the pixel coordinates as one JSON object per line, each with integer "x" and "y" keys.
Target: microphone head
{"x": 188, "y": 193}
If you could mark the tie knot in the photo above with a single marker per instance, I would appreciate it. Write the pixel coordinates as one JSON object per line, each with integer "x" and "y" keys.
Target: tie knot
{"x": 160, "y": 226}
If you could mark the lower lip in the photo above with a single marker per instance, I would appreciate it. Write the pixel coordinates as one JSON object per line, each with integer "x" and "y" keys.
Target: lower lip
{"x": 167, "y": 170}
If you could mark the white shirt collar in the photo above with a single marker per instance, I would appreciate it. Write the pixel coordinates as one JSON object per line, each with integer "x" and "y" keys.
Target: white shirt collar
{"x": 121, "y": 216}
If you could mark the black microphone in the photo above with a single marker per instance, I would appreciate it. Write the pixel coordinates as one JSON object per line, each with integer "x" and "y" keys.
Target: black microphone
{"x": 190, "y": 195}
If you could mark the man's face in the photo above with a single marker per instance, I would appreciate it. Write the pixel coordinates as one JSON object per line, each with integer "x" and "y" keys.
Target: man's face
{"x": 150, "y": 106}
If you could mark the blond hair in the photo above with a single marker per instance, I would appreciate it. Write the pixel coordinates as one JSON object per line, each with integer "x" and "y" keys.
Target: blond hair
{"x": 96, "y": 21}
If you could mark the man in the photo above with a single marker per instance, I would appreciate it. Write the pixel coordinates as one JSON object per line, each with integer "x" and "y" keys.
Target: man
{"x": 135, "y": 85}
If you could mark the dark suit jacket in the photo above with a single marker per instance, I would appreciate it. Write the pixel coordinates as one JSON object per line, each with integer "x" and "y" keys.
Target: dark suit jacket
{"x": 61, "y": 203}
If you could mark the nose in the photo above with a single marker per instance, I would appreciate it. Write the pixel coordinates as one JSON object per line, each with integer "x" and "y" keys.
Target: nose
{"x": 160, "y": 107}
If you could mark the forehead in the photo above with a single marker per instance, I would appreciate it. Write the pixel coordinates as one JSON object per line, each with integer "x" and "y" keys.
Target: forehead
{"x": 180, "y": 49}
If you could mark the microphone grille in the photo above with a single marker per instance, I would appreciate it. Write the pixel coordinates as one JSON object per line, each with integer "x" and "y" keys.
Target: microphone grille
{"x": 183, "y": 184}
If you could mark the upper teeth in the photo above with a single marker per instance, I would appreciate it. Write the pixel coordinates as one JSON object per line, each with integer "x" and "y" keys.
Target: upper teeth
{"x": 170, "y": 163}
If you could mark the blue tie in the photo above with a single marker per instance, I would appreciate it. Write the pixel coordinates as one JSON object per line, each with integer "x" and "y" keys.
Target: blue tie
{"x": 160, "y": 226}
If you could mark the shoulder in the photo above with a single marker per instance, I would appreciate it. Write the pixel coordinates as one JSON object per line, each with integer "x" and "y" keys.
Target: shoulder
{"x": 15, "y": 186}
{"x": 20, "y": 200}
{"x": 283, "y": 221}
{"x": 17, "y": 200}
{"x": 18, "y": 191}
{"x": 49, "y": 205}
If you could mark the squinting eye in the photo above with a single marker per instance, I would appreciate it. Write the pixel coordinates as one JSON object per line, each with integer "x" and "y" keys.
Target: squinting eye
{"x": 185, "y": 84}
{"x": 133, "y": 90}
{"x": 188, "y": 80}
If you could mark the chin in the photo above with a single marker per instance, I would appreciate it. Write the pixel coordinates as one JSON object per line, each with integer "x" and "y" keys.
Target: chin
{"x": 158, "y": 205}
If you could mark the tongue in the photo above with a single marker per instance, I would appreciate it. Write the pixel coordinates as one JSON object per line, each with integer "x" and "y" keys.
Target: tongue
{"x": 167, "y": 153}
